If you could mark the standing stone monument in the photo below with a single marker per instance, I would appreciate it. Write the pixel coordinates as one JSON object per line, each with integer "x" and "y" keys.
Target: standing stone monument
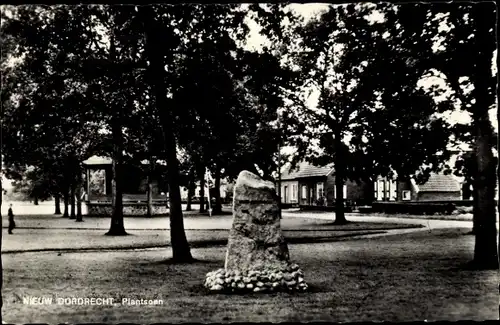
{"x": 257, "y": 257}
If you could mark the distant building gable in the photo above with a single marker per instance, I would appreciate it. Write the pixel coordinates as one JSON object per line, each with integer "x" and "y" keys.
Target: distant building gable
{"x": 304, "y": 170}
{"x": 440, "y": 183}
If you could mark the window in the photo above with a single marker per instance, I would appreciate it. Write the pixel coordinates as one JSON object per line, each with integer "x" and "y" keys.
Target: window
{"x": 406, "y": 196}
{"x": 319, "y": 190}
{"x": 385, "y": 190}
{"x": 294, "y": 192}
{"x": 393, "y": 194}
{"x": 304, "y": 192}
{"x": 380, "y": 189}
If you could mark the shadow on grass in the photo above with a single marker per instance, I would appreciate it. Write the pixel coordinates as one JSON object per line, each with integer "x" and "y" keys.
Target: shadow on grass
{"x": 476, "y": 266}
{"x": 171, "y": 261}
{"x": 362, "y": 227}
{"x": 290, "y": 240}
{"x": 296, "y": 211}
{"x": 214, "y": 243}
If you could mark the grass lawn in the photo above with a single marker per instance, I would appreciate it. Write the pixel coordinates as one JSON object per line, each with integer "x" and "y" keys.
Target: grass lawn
{"x": 458, "y": 217}
{"x": 191, "y": 221}
{"x": 295, "y": 230}
{"x": 395, "y": 278}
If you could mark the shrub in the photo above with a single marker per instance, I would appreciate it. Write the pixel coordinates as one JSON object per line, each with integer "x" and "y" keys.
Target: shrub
{"x": 463, "y": 210}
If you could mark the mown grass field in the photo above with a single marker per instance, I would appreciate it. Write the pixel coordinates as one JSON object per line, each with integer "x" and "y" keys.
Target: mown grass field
{"x": 406, "y": 277}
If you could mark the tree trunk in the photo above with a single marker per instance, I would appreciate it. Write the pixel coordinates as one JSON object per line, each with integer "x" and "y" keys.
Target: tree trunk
{"x": 1, "y": 234}
{"x": 498, "y": 180}
{"x": 279, "y": 177}
{"x": 339, "y": 201}
{"x": 498, "y": 199}
{"x": 36, "y": 200}
{"x": 217, "y": 208}
{"x": 485, "y": 249}
{"x": 202, "y": 193}
{"x": 73, "y": 202}
{"x": 149, "y": 212}
{"x": 339, "y": 181}
{"x": 66, "y": 203}
{"x": 191, "y": 189}
{"x": 79, "y": 192}
{"x": 117, "y": 227}
{"x": 474, "y": 208}
{"x": 181, "y": 251}
{"x": 57, "y": 202}
{"x": 79, "y": 216}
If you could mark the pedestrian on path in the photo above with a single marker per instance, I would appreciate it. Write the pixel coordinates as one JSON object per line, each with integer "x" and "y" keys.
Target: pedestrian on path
{"x": 12, "y": 224}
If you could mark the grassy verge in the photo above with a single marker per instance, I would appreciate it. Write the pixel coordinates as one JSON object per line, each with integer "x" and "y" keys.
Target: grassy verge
{"x": 458, "y": 217}
{"x": 298, "y": 231}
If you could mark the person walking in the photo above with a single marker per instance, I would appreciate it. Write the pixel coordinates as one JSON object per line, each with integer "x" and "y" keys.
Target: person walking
{"x": 12, "y": 224}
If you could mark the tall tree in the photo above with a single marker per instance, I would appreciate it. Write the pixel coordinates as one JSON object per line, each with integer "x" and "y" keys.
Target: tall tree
{"x": 155, "y": 31}
{"x": 458, "y": 43}
{"x": 485, "y": 250}
{"x": 108, "y": 85}
{"x": 359, "y": 91}
{"x": 43, "y": 97}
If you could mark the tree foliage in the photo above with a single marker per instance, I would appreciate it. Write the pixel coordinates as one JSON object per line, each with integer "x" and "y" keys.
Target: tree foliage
{"x": 457, "y": 44}
{"x": 371, "y": 118}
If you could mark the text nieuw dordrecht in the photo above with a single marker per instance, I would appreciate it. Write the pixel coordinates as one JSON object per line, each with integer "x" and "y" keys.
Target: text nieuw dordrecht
{"x": 93, "y": 301}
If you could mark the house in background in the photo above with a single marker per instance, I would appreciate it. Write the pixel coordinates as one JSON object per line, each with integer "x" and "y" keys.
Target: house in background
{"x": 309, "y": 185}
{"x": 438, "y": 187}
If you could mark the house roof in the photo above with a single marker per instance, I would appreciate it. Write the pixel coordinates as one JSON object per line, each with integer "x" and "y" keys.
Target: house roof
{"x": 98, "y": 160}
{"x": 304, "y": 170}
{"x": 440, "y": 183}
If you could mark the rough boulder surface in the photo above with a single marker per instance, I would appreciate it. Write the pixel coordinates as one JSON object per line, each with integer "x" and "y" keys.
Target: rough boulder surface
{"x": 257, "y": 256}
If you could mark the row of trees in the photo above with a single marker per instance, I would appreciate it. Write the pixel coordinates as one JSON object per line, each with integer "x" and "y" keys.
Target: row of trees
{"x": 141, "y": 80}
{"x": 382, "y": 64}
{"x": 160, "y": 82}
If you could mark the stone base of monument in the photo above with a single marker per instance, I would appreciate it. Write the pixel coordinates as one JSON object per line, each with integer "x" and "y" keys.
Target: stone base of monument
{"x": 257, "y": 258}
{"x": 272, "y": 280}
